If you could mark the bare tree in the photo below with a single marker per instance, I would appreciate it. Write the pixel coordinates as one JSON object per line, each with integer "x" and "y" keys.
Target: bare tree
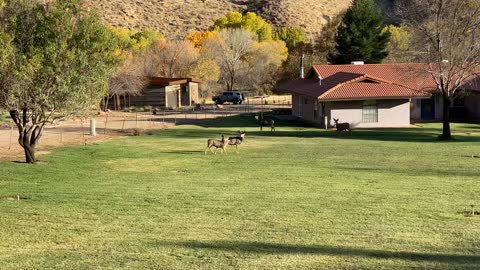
{"x": 170, "y": 59}
{"x": 129, "y": 80}
{"x": 447, "y": 32}
{"x": 230, "y": 48}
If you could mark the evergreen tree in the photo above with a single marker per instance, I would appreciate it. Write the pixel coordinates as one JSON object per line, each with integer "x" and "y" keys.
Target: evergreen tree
{"x": 360, "y": 37}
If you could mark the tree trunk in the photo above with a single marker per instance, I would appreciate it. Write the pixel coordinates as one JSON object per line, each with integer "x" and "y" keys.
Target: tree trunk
{"x": 30, "y": 154}
{"x": 446, "y": 132}
{"x": 28, "y": 135}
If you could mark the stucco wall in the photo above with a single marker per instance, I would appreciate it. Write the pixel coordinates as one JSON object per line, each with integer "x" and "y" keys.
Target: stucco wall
{"x": 391, "y": 113}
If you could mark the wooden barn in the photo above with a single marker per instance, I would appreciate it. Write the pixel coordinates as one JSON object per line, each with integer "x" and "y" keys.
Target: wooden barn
{"x": 166, "y": 93}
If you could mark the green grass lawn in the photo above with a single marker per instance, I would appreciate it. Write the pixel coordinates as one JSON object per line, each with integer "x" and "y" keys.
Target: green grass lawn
{"x": 4, "y": 117}
{"x": 299, "y": 198}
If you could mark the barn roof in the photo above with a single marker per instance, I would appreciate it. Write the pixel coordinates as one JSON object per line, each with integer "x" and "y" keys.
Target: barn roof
{"x": 161, "y": 81}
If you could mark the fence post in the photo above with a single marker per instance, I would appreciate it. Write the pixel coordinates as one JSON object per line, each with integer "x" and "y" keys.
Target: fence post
{"x": 93, "y": 130}
{"x": 11, "y": 135}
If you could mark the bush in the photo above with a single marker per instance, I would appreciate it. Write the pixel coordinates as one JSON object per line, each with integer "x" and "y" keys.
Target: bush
{"x": 140, "y": 109}
{"x": 148, "y": 108}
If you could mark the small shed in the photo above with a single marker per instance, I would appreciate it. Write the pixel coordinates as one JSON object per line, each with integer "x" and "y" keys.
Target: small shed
{"x": 167, "y": 93}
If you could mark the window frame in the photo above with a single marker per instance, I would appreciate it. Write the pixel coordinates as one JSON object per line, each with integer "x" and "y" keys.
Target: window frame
{"x": 370, "y": 111}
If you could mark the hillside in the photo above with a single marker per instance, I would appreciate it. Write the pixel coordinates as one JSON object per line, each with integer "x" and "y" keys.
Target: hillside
{"x": 175, "y": 18}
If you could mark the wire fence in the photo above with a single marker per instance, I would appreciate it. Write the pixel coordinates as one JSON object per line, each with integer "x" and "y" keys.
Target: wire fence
{"x": 77, "y": 131}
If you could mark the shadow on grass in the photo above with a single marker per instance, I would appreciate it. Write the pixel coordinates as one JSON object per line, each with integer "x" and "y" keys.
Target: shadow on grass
{"x": 182, "y": 152}
{"x": 300, "y": 129}
{"x": 274, "y": 248}
{"x": 437, "y": 171}
{"x": 400, "y": 135}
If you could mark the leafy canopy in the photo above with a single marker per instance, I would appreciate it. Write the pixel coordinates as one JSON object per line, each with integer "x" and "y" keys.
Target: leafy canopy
{"x": 361, "y": 36}
{"x": 250, "y": 22}
{"x": 56, "y": 57}
{"x": 134, "y": 41}
{"x": 292, "y": 36}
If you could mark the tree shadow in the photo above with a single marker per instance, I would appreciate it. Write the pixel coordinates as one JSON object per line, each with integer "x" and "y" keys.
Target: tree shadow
{"x": 299, "y": 129}
{"x": 276, "y": 248}
{"x": 182, "y": 152}
{"x": 398, "y": 135}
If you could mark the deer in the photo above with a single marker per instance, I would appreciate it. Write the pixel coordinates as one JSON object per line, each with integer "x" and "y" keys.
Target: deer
{"x": 341, "y": 126}
{"x": 237, "y": 140}
{"x": 265, "y": 122}
{"x": 222, "y": 144}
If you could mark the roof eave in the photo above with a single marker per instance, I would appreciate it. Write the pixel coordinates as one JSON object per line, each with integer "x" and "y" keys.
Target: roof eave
{"x": 371, "y": 98}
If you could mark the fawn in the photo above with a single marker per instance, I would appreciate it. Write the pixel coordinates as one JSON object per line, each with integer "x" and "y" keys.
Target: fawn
{"x": 222, "y": 144}
{"x": 237, "y": 140}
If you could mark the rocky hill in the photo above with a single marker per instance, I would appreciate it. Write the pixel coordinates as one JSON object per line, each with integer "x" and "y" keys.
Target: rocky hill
{"x": 175, "y": 18}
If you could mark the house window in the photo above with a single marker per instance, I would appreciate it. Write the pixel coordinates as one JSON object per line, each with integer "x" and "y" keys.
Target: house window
{"x": 370, "y": 111}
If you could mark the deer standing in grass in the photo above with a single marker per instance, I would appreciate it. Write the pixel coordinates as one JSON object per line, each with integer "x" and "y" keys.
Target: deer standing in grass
{"x": 222, "y": 144}
{"x": 237, "y": 140}
{"x": 265, "y": 122}
{"x": 341, "y": 126}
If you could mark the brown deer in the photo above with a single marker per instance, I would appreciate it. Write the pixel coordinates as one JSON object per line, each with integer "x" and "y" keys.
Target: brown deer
{"x": 237, "y": 140}
{"x": 341, "y": 126}
{"x": 265, "y": 122}
{"x": 222, "y": 144}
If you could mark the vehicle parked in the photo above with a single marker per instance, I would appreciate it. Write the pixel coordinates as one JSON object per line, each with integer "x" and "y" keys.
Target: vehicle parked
{"x": 235, "y": 97}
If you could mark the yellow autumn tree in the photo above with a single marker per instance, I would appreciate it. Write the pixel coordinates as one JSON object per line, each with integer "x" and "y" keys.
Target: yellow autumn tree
{"x": 249, "y": 22}
{"x": 399, "y": 43}
{"x": 198, "y": 38}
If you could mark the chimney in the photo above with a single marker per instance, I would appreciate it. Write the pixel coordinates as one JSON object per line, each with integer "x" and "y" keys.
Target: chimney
{"x": 357, "y": 63}
{"x": 319, "y": 80}
{"x": 302, "y": 61}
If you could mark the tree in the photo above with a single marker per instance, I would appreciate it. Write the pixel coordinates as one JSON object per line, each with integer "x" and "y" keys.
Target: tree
{"x": 57, "y": 58}
{"x": 128, "y": 80}
{"x": 132, "y": 41}
{"x": 447, "y": 32}
{"x": 170, "y": 59}
{"x": 263, "y": 65}
{"x": 360, "y": 37}
{"x": 249, "y": 22}
{"x": 198, "y": 38}
{"x": 292, "y": 36}
{"x": 399, "y": 43}
{"x": 230, "y": 48}
{"x": 326, "y": 43}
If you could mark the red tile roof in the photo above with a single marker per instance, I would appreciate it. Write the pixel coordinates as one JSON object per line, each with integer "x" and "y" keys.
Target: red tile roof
{"x": 369, "y": 90}
{"x": 364, "y": 82}
{"x": 414, "y": 76}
